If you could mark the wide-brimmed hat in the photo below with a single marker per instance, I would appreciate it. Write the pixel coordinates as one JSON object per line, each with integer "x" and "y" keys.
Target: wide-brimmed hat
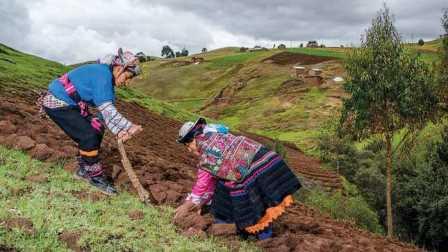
{"x": 189, "y": 130}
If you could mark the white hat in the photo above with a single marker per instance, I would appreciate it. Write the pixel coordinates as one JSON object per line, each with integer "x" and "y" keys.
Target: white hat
{"x": 189, "y": 129}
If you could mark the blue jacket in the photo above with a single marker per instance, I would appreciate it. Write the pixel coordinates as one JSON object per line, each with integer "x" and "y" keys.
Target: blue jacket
{"x": 94, "y": 83}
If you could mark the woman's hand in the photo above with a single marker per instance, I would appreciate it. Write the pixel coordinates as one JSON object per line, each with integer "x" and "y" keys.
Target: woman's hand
{"x": 126, "y": 135}
{"x": 183, "y": 210}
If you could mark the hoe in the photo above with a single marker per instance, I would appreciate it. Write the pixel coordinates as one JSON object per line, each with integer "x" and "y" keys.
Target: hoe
{"x": 144, "y": 195}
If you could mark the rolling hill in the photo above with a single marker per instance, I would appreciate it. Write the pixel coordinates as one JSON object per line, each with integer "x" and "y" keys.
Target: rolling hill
{"x": 42, "y": 208}
{"x": 258, "y": 91}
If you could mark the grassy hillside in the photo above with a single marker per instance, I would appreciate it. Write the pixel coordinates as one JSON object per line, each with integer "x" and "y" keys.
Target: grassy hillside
{"x": 257, "y": 91}
{"x": 23, "y": 71}
{"x": 43, "y": 209}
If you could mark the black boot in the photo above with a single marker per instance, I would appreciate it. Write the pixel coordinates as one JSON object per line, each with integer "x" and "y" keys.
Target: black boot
{"x": 96, "y": 179}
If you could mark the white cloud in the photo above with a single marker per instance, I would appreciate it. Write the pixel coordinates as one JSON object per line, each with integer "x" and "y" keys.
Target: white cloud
{"x": 71, "y": 31}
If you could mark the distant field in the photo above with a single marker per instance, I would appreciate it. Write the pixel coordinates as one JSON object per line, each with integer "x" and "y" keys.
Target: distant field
{"x": 254, "y": 98}
{"x": 340, "y": 53}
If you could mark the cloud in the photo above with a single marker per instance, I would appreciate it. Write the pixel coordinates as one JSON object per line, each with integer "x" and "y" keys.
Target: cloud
{"x": 14, "y": 22}
{"x": 71, "y": 31}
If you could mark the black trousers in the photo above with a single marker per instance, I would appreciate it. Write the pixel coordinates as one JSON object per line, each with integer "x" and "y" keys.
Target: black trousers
{"x": 79, "y": 129}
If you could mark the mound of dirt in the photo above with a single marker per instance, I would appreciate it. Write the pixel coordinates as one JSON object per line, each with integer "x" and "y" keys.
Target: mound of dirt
{"x": 167, "y": 170}
{"x": 289, "y": 58}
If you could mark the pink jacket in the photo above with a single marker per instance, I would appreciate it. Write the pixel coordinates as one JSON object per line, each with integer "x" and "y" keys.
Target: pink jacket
{"x": 203, "y": 189}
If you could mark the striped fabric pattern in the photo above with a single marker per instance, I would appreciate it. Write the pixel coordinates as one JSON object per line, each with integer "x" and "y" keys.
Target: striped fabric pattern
{"x": 245, "y": 203}
{"x": 115, "y": 122}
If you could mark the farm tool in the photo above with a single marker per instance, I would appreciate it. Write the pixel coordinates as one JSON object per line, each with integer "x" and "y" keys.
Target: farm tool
{"x": 143, "y": 194}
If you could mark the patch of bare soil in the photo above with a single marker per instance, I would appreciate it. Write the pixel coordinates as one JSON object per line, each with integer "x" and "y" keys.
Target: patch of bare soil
{"x": 37, "y": 178}
{"x": 136, "y": 215}
{"x": 71, "y": 238}
{"x": 167, "y": 170}
{"x": 176, "y": 63}
{"x": 23, "y": 224}
{"x": 289, "y": 58}
{"x": 88, "y": 196}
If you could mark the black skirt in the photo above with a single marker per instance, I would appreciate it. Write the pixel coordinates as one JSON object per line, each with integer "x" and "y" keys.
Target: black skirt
{"x": 245, "y": 202}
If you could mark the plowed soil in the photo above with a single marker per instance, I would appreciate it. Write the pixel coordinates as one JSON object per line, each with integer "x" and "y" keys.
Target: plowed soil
{"x": 167, "y": 170}
{"x": 289, "y": 58}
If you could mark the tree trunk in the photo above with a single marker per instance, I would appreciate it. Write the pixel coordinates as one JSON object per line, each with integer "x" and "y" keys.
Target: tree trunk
{"x": 390, "y": 230}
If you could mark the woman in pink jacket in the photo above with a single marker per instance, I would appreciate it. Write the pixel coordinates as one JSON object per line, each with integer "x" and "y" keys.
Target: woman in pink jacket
{"x": 244, "y": 182}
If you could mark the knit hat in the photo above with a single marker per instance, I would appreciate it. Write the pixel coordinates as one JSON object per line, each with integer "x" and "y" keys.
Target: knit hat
{"x": 125, "y": 59}
{"x": 189, "y": 130}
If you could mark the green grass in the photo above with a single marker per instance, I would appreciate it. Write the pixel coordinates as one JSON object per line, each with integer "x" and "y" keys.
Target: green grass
{"x": 350, "y": 206}
{"x": 339, "y": 53}
{"x": 228, "y": 61}
{"x": 23, "y": 71}
{"x": 257, "y": 107}
{"x": 104, "y": 225}
{"x": 155, "y": 105}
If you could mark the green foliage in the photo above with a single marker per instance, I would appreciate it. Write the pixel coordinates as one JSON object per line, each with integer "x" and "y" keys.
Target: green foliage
{"x": 364, "y": 168}
{"x": 167, "y": 52}
{"x": 444, "y": 56}
{"x": 351, "y": 207}
{"x": 389, "y": 89}
{"x": 423, "y": 194}
{"x": 421, "y": 42}
{"x": 278, "y": 147}
{"x": 182, "y": 53}
{"x": 103, "y": 224}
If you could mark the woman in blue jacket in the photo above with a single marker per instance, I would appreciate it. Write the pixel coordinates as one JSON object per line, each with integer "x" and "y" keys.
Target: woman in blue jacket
{"x": 67, "y": 101}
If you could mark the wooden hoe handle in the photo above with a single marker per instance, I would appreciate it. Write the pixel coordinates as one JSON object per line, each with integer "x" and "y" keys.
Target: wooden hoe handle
{"x": 144, "y": 195}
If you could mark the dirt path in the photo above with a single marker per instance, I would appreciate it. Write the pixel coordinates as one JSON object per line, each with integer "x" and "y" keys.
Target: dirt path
{"x": 167, "y": 170}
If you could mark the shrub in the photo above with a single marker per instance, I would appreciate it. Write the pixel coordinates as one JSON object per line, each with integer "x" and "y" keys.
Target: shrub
{"x": 351, "y": 207}
{"x": 421, "y": 42}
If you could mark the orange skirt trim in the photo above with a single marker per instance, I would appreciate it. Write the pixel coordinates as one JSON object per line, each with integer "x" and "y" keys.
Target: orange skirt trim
{"x": 271, "y": 214}
{"x": 93, "y": 153}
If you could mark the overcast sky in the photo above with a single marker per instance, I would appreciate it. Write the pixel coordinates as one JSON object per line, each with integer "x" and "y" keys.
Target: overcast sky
{"x": 71, "y": 31}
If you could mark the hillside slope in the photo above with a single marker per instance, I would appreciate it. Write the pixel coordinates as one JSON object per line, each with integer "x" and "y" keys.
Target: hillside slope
{"x": 253, "y": 91}
{"x": 259, "y": 91}
{"x": 40, "y": 204}
{"x": 165, "y": 169}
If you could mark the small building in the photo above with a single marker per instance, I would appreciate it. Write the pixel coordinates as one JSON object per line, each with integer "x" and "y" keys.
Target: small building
{"x": 300, "y": 72}
{"x": 314, "y": 77}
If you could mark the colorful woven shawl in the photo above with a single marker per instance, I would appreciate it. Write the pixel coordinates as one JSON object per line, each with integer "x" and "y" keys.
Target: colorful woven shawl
{"x": 227, "y": 156}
